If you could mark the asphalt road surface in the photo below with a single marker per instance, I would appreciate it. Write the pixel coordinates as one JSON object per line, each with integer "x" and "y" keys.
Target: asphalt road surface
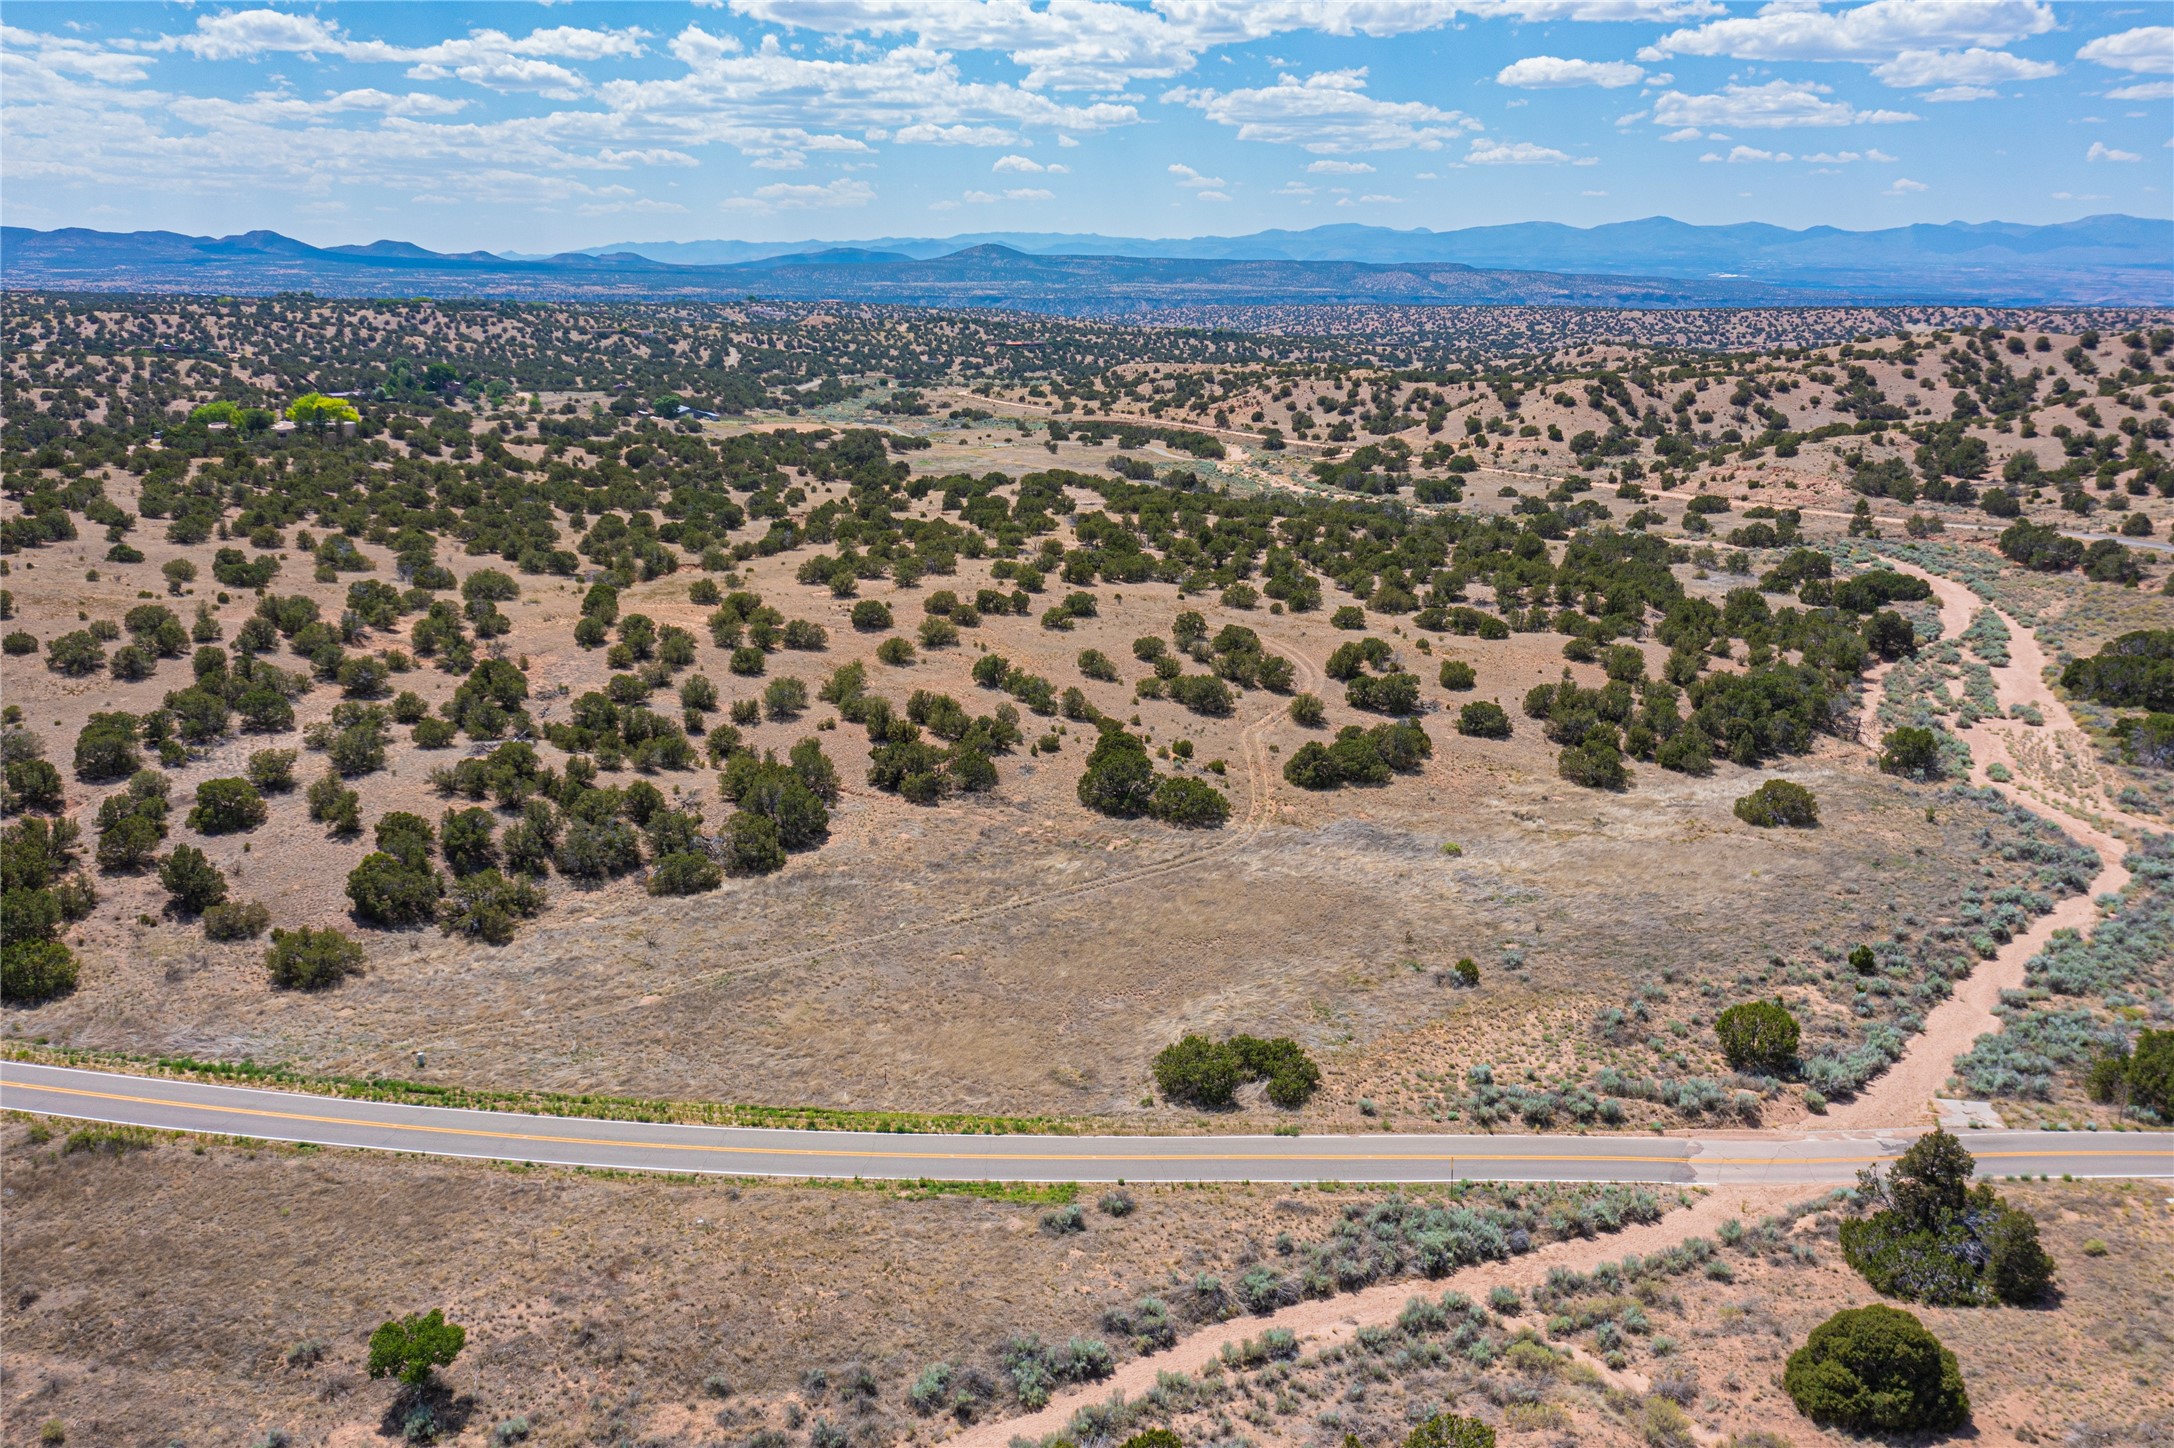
{"x": 1744, "y": 1158}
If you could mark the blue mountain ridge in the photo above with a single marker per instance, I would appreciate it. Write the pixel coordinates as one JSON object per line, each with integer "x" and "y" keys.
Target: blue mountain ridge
{"x": 1653, "y": 262}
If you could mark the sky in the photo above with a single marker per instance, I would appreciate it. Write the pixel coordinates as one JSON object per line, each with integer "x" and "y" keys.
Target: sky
{"x": 534, "y": 127}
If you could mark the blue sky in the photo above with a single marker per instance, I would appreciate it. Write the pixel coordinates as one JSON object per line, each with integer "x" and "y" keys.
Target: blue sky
{"x": 532, "y": 127}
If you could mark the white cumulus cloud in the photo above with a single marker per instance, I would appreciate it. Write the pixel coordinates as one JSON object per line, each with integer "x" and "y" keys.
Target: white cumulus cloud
{"x": 787, "y": 196}
{"x": 2100, "y": 151}
{"x": 1328, "y": 113}
{"x": 2147, "y": 50}
{"x": 1879, "y": 31}
{"x": 1513, "y": 153}
{"x": 1917, "y": 69}
{"x": 1547, "y": 72}
{"x": 1777, "y": 104}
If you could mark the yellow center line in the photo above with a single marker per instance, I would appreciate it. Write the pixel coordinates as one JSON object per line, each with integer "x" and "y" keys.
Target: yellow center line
{"x": 430, "y": 1130}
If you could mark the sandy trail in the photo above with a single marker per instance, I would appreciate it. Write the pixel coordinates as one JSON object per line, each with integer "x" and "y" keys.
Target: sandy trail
{"x": 1324, "y": 1322}
{"x": 1903, "y": 1094}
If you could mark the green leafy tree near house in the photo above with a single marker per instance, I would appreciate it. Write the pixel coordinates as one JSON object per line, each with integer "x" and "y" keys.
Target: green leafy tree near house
{"x": 314, "y": 409}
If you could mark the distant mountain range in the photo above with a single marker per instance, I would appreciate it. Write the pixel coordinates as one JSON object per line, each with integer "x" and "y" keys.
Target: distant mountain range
{"x": 2113, "y": 260}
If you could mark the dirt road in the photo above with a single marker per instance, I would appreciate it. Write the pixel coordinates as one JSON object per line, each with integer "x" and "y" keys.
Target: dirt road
{"x": 1903, "y": 1095}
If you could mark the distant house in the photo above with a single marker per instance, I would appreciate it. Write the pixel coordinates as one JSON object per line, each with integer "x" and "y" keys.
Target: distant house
{"x": 285, "y": 428}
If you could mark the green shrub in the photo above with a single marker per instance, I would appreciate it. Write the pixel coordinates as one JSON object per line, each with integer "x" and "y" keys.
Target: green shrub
{"x": 407, "y": 837}
{"x": 1778, "y": 802}
{"x": 236, "y": 920}
{"x": 226, "y": 806}
{"x": 2151, "y": 1073}
{"x": 272, "y": 770}
{"x": 1182, "y": 801}
{"x": 1447, "y": 1430}
{"x": 1154, "y": 1438}
{"x": 2134, "y": 671}
{"x": 33, "y": 785}
{"x": 35, "y": 970}
{"x": 871, "y": 615}
{"x": 1757, "y": 1036}
{"x": 1311, "y": 766}
{"x": 1686, "y": 752}
{"x": 106, "y": 748}
{"x": 411, "y": 1347}
{"x": 487, "y": 905}
{"x": 1595, "y": 764}
{"x": 1481, "y": 719}
{"x": 1911, "y": 752}
{"x": 388, "y": 890}
{"x": 193, "y": 883}
{"x": 1119, "y": 778}
{"x": 1457, "y": 674}
{"x": 752, "y": 845}
{"x": 1930, "y": 1236}
{"x": 2017, "y": 1269}
{"x": 75, "y": 654}
{"x": 306, "y": 959}
{"x": 597, "y": 849}
{"x": 1199, "y": 1072}
{"x": 685, "y": 872}
{"x": 1876, "y": 1370}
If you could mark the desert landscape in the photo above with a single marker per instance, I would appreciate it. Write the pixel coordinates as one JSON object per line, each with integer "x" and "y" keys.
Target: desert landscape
{"x": 861, "y": 721}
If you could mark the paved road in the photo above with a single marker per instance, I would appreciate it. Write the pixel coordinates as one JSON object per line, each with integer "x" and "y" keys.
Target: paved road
{"x": 742, "y": 1151}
